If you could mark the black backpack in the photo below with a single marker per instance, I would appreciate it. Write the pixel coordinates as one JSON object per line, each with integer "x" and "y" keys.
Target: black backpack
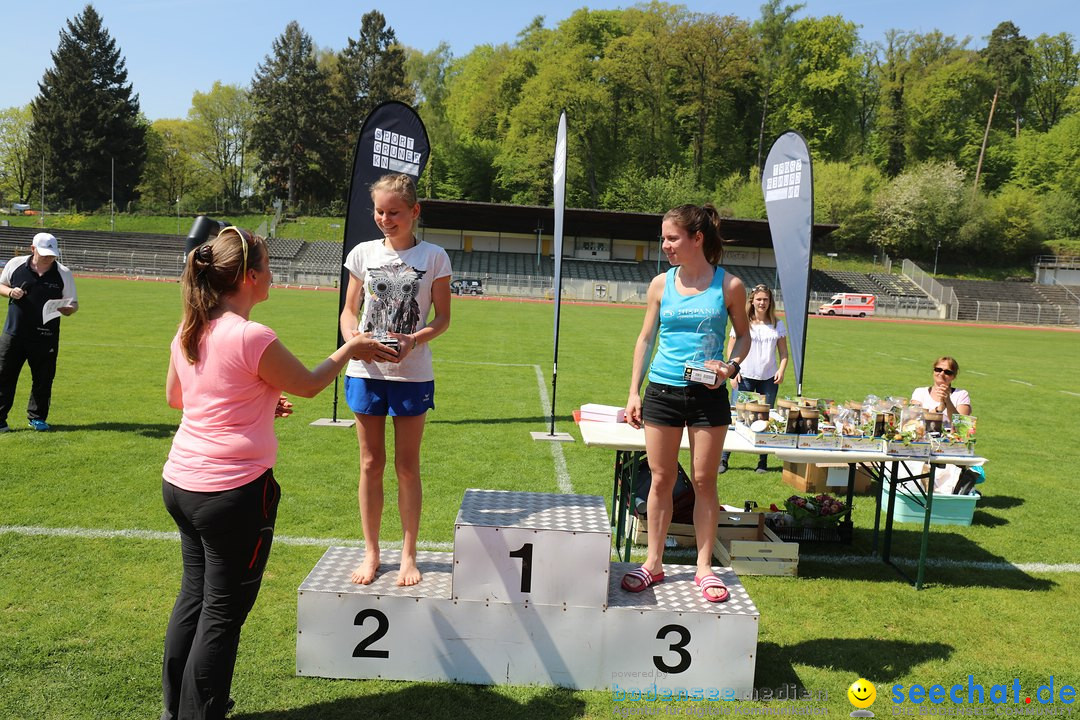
{"x": 682, "y": 494}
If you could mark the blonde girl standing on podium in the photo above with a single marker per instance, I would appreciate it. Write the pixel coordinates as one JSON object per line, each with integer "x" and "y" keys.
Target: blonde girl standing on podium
{"x": 394, "y": 284}
{"x": 691, "y": 301}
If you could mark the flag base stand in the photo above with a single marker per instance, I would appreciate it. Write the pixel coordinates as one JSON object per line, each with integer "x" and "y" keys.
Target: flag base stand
{"x": 330, "y": 422}
{"x": 552, "y": 437}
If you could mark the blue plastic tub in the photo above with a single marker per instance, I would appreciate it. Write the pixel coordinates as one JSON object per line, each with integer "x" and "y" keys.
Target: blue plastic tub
{"x": 947, "y": 509}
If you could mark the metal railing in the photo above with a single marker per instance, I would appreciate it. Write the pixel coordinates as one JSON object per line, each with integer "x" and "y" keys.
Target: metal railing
{"x": 286, "y": 272}
{"x": 943, "y": 295}
{"x": 1058, "y": 261}
{"x": 1009, "y": 312}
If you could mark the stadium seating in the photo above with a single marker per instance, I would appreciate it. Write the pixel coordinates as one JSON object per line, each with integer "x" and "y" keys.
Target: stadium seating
{"x": 162, "y": 255}
{"x": 1009, "y": 301}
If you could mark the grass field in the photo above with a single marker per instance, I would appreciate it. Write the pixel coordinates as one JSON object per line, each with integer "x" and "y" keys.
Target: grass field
{"x": 89, "y": 568}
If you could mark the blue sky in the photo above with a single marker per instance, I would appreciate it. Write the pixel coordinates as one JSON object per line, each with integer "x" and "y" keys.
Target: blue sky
{"x": 175, "y": 47}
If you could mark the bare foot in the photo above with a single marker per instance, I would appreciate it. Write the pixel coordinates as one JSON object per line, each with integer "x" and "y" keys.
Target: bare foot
{"x": 409, "y": 573}
{"x": 365, "y": 572}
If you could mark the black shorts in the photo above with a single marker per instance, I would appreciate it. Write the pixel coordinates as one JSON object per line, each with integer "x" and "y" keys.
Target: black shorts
{"x": 693, "y": 405}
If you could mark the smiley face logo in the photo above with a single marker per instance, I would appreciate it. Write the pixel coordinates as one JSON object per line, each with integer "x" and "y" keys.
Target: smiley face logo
{"x": 862, "y": 693}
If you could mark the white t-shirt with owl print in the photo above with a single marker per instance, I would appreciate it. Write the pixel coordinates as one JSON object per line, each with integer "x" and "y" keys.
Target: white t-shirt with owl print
{"x": 397, "y": 298}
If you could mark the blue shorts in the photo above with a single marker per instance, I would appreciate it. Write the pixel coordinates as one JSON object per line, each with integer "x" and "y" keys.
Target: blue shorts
{"x": 367, "y": 396}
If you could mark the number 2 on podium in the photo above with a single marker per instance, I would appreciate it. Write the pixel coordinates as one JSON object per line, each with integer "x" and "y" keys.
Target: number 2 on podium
{"x": 525, "y": 553}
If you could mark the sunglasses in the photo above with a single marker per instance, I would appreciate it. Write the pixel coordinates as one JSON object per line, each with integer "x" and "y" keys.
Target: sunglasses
{"x": 244, "y": 240}
{"x": 947, "y": 371}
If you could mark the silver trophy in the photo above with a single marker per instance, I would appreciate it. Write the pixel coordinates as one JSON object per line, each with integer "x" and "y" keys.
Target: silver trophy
{"x": 710, "y": 347}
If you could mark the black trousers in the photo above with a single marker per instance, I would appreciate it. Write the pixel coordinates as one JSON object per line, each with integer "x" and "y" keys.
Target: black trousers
{"x": 225, "y": 541}
{"x": 41, "y": 356}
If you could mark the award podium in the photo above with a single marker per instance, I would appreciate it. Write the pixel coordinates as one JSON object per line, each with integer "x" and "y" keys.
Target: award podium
{"x": 528, "y": 597}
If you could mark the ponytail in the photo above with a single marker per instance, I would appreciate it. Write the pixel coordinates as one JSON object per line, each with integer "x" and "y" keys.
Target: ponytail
{"x": 704, "y": 219}
{"x": 213, "y": 270}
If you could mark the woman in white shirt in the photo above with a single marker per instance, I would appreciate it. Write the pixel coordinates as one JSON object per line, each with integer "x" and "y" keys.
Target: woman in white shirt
{"x": 941, "y": 396}
{"x": 760, "y": 371}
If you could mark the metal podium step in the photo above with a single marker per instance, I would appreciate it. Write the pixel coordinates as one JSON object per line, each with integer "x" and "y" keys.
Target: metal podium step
{"x": 667, "y": 636}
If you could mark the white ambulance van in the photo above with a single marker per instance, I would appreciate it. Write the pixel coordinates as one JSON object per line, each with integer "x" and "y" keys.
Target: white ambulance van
{"x": 850, "y": 304}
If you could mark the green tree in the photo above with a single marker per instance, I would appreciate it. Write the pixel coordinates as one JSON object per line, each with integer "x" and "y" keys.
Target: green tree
{"x": 427, "y": 75}
{"x": 920, "y": 208}
{"x": 16, "y": 168}
{"x": 372, "y": 70}
{"x": 473, "y": 115}
{"x": 771, "y": 29}
{"x": 637, "y": 69}
{"x": 844, "y": 195}
{"x": 86, "y": 118}
{"x": 293, "y": 132}
{"x": 892, "y": 122}
{"x": 221, "y": 127}
{"x": 1055, "y": 71}
{"x": 1050, "y": 162}
{"x": 816, "y": 89}
{"x": 716, "y": 58}
{"x": 1008, "y": 56}
{"x": 634, "y": 190}
{"x": 942, "y": 106}
{"x": 171, "y": 171}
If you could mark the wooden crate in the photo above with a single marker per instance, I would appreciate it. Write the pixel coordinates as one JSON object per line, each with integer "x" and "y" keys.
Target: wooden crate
{"x": 743, "y": 543}
{"x": 682, "y": 534}
{"x": 751, "y": 548}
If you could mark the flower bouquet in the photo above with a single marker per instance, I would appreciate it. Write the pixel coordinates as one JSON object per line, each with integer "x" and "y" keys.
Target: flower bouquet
{"x": 820, "y": 511}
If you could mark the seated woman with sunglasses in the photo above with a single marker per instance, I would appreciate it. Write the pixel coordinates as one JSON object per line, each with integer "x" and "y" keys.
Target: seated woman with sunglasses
{"x": 227, "y": 374}
{"x": 941, "y": 396}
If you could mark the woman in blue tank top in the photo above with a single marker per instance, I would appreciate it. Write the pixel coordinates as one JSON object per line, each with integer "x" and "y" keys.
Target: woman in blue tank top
{"x": 690, "y": 302}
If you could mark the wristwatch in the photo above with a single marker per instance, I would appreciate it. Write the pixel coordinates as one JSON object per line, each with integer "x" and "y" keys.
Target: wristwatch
{"x": 734, "y": 364}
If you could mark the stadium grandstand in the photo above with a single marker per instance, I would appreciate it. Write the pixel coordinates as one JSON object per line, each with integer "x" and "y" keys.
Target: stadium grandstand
{"x": 607, "y": 255}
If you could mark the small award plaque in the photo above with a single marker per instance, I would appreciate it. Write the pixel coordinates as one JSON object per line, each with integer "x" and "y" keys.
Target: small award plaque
{"x": 388, "y": 341}
{"x": 709, "y": 348}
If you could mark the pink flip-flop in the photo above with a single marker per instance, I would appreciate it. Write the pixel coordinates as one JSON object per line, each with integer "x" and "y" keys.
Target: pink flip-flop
{"x": 641, "y": 578}
{"x": 711, "y": 582}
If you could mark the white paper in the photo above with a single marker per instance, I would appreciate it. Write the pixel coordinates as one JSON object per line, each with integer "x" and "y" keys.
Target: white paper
{"x": 51, "y": 310}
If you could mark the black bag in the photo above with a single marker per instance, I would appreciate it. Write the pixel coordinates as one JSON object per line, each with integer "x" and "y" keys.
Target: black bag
{"x": 682, "y": 494}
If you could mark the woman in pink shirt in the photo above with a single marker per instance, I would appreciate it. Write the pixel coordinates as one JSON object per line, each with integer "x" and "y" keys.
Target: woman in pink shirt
{"x": 227, "y": 374}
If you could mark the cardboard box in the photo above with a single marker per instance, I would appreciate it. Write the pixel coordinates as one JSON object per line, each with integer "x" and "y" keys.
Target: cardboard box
{"x": 603, "y": 413}
{"x": 825, "y": 477}
{"x": 775, "y": 440}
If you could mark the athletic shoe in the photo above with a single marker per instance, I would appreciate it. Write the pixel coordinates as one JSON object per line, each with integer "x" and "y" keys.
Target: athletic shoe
{"x": 723, "y": 468}
{"x": 40, "y": 425}
{"x": 4, "y": 427}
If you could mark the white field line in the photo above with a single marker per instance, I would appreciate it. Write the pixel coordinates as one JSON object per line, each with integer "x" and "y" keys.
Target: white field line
{"x": 1021, "y": 382}
{"x": 562, "y": 473}
{"x": 1067, "y": 392}
{"x": 92, "y": 533}
{"x": 976, "y": 372}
